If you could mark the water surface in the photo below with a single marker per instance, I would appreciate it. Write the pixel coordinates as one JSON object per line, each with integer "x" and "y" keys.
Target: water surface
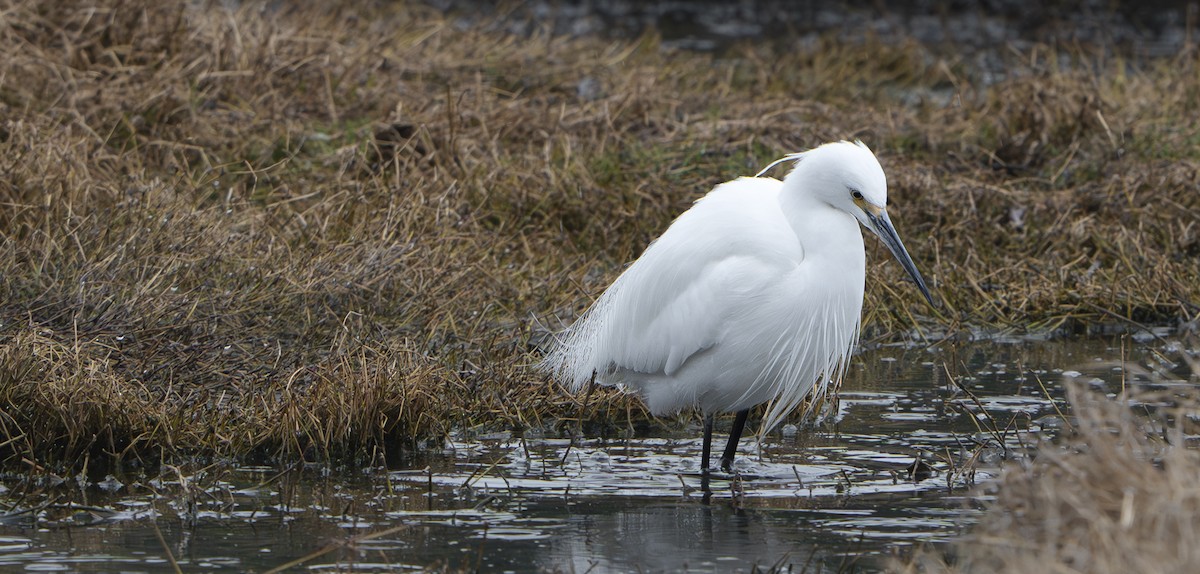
{"x": 842, "y": 495}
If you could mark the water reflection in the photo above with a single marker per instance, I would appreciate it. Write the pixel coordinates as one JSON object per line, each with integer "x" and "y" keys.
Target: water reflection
{"x": 843, "y": 493}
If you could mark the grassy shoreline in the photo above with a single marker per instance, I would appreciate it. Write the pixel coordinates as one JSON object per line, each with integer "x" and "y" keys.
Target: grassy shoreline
{"x": 327, "y": 232}
{"x": 1113, "y": 492}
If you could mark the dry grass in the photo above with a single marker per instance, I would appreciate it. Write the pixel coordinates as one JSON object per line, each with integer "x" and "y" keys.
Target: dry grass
{"x": 324, "y": 229}
{"x": 1117, "y": 493}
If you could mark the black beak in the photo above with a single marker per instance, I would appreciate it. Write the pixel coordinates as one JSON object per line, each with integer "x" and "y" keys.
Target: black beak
{"x": 881, "y": 224}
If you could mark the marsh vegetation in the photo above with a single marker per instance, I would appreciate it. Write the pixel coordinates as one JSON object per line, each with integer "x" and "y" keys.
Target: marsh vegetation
{"x": 337, "y": 233}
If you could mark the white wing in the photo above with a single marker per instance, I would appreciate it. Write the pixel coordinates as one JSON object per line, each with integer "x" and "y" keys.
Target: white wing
{"x": 674, "y": 300}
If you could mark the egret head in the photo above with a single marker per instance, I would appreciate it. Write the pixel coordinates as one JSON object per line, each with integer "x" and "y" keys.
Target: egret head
{"x": 847, "y": 176}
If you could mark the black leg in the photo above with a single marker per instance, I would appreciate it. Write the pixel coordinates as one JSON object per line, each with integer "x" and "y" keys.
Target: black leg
{"x": 735, "y": 434}
{"x": 707, "y": 448}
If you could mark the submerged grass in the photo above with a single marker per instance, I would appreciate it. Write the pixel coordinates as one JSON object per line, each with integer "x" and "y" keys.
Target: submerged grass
{"x": 1115, "y": 493}
{"x": 324, "y": 230}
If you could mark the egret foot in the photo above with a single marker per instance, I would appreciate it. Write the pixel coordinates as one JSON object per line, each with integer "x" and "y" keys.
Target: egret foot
{"x": 727, "y": 465}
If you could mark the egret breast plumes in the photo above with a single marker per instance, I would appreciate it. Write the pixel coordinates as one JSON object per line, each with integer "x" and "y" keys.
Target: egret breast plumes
{"x": 753, "y": 295}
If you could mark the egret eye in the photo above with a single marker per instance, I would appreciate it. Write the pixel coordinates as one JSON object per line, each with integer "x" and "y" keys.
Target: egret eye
{"x": 856, "y": 194}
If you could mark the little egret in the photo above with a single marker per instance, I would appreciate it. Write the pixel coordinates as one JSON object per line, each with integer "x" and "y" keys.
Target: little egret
{"x": 752, "y": 295}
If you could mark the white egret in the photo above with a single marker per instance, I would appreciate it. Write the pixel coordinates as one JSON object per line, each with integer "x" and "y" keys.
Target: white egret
{"x": 754, "y": 294}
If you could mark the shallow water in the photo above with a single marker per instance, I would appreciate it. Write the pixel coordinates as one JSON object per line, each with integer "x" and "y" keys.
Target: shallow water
{"x": 1155, "y": 29}
{"x": 839, "y": 496}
